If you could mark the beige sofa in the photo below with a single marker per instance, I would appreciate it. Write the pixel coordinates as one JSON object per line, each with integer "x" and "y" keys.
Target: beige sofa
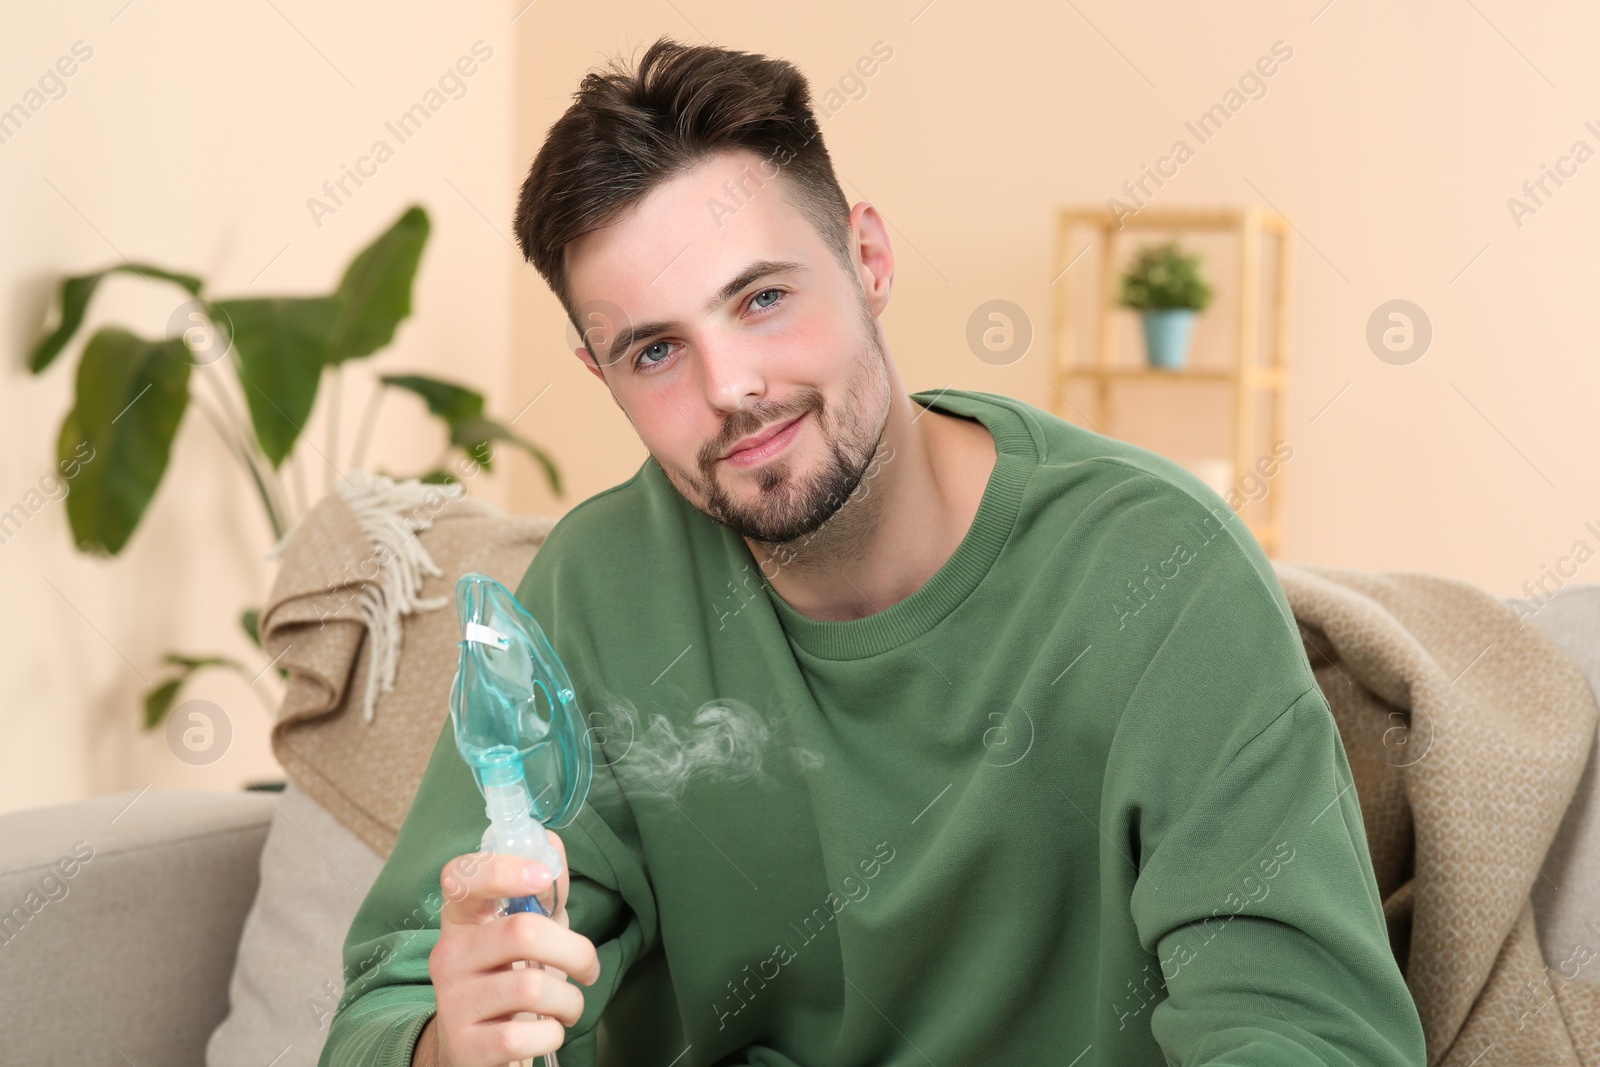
{"x": 180, "y": 906}
{"x": 129, "y": 958}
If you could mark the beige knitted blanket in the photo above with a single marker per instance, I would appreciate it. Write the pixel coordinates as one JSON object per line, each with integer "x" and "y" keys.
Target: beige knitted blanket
{"x": 375, "y": 566}
{"x": 1466, "y": 733}
{"x": 1465, "y": 730}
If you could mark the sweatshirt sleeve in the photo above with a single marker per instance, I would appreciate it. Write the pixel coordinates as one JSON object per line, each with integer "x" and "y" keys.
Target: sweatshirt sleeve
{"x": 1273, "y": 945}
{"x": 1254, "y": 886}
{"x": 388, "y": 995}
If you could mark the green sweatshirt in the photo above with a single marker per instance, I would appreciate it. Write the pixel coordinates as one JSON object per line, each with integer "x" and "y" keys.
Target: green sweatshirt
{"x": 1076, "y": 801}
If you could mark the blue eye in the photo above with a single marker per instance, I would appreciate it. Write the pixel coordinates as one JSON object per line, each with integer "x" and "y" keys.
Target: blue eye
{"x": 642, "y": 362}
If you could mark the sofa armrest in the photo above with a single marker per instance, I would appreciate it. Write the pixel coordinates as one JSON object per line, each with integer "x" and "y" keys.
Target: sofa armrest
{"x": 119, "y": 919}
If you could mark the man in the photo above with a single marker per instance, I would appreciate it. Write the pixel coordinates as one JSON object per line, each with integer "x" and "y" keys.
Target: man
{"x": 929, "y": 729}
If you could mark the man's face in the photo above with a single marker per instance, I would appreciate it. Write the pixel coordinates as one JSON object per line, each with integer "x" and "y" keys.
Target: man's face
{"x": 716, "y": 313}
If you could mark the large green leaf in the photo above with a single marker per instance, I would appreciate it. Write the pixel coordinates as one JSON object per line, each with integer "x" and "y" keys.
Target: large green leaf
{"x": 75, "y": 295}
{"x": 462, "y": 411}
{"x": 451, "y": 402}
{"x": 283, "y": 345}
{"x": 250, "y": 622}
{"x": 376, "y": 288}
{"x": 194, "y": 663}
{"x": 476, "y": 437}
{"x": 158, "y": 699}
{"x": 131, "y": 395}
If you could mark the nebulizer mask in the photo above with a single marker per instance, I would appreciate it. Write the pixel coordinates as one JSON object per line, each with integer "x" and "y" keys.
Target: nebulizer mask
{"x": 518, "y": 726}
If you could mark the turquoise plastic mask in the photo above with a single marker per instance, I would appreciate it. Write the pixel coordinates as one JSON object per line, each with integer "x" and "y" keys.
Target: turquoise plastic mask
{"x": 512, "y": 705}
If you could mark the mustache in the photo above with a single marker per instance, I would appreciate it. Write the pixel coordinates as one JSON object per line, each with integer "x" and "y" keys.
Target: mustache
{"x": 746, "y": 421}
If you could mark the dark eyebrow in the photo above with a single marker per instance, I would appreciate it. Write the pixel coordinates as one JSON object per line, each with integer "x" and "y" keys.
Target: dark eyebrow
{"x": 761, "y": 268}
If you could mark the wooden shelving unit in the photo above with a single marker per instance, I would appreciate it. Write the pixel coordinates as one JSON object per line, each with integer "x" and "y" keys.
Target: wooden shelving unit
{"x": 1254, "y": 377}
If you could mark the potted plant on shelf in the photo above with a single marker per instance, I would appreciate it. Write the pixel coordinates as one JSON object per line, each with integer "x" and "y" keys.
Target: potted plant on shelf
{"x": 1168, "y": 288}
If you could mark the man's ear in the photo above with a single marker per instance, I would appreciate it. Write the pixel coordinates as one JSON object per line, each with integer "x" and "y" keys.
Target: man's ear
{"x": 875, "y": 269}
{"x": 588, "y": 361}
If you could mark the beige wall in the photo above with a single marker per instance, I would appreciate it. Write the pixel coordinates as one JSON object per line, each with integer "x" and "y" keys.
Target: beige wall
{"x": 193, "y": 138}
{"x": 1392, "y": 139}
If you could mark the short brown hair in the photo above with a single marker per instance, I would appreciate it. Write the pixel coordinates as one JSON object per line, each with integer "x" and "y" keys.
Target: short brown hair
{"x": 628, "y": 131}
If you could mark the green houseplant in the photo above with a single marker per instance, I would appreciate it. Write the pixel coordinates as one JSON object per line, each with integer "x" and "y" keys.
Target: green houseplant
{"x": 253, "y": 367}
{"x": 1168, "y": 288}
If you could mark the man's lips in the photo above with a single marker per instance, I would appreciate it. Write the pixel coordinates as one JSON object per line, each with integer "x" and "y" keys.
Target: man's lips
{"x": 755, "y": 443}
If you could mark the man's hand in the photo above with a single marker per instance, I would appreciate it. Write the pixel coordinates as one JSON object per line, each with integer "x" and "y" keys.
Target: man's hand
{"x": 482, "y": 1001}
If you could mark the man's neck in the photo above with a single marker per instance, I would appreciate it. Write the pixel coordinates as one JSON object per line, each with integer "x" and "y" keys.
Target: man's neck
{"x": 915, "y": 503}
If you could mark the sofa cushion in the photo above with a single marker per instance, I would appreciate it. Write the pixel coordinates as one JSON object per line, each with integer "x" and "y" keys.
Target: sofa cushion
{"x": 289, "y": 976}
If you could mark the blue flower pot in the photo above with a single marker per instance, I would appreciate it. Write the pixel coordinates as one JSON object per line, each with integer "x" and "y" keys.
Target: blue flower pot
{"x": 1166, "y": 336}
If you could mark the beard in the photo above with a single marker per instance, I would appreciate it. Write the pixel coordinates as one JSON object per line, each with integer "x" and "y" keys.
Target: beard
{"x": 790, "y": 505}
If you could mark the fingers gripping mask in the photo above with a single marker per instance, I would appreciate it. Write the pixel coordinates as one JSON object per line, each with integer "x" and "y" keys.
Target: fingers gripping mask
{"x": 517, "y": 722}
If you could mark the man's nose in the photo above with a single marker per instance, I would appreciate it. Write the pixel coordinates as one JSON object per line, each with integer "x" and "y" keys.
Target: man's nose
{"x": 732, "y": 371}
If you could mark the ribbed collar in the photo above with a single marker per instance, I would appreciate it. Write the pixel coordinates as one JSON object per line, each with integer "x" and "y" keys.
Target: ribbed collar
{"x": 1016, "y": 460}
